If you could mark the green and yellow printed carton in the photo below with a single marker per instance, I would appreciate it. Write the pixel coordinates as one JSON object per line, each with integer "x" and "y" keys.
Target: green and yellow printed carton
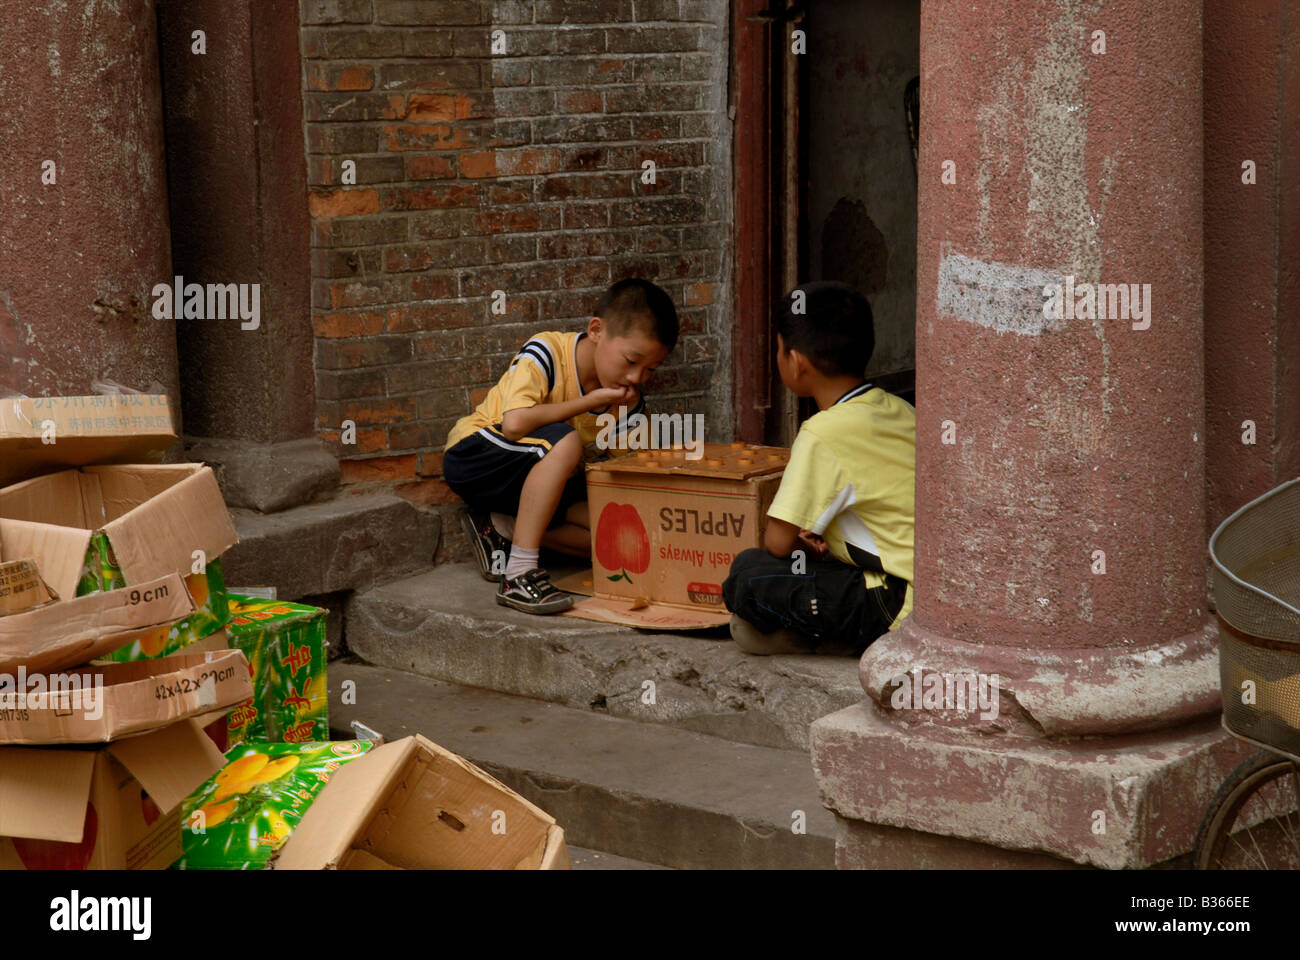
{"x": 286, "y": 651}
{"x": 208, "y": 590}
{"x": 243, "y": 815}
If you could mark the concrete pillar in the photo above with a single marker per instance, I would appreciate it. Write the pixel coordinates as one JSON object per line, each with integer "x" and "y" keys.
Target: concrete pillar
{"x": 1060, "y": 508}
{"x": 238, "y": 183}
{"x": 80, "y": 255}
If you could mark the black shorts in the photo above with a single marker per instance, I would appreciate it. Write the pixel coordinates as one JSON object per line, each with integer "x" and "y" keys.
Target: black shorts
{"x": 828, "y": 603}
{"x": 488, "y": 471}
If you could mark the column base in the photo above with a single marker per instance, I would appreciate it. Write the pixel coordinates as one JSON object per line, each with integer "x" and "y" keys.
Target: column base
{"x": 1059, "y": 692}
{"x": 267, "y": 477}
{"x": 1122, "y": 802}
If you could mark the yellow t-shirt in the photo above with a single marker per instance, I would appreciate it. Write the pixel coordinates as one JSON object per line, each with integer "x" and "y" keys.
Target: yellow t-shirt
{"x": 852, "y": 479}
{"x": 545, "y": 370}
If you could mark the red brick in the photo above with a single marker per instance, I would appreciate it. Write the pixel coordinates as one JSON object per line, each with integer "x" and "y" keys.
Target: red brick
{"x": 504, "y": 193}
{"x": 431, "y": 198}
{"x": 378, "y": 469}
{"x": 413, "y": 436}
{"x": 432, "y": 167}
{"x": 356, "y": 78}
{"x": 426, "y": 492}
{"x": 698, "y": 293}
{"x": 578, "y": 101}
{"x": 431, "y": 316}
{"x": 430, "y": 464}
{"x": 432, "y": 107}
{"x": 478, "y": 396}
{"x": 343, "y": 203}
{"x": 377, "y": 412}
{"x": 585, "y": 274}
{"x": 474, "y": 165}
{"x": 368, "y": 440}
{"x": 511, "y": 220}
{"x": 446, "y": 405}
{"x": 587, "y": 185}
{"x": 428, "y": 137}
{"x": 351, "y": 324}
{"x": 530, "y": 160}
{"x": 368, "y": 352}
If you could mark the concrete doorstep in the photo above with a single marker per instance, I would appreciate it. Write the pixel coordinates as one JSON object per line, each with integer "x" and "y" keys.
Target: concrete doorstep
{"x": 646, "y": 792}
{"x": 446, "y": 624}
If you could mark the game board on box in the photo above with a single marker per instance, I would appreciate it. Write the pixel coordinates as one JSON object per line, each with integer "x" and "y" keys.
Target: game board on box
{"x": 286, "y": 650}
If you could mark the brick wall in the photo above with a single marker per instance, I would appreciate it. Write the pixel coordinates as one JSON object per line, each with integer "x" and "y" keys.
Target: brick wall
{"x": 518, "y": 171}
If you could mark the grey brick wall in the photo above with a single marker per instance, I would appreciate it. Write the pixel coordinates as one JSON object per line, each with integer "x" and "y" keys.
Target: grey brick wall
{"x": 518, "y": 171}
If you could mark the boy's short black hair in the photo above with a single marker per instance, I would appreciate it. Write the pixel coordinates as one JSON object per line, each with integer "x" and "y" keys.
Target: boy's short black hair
{"x": 834, "y": 330}
{"x": 639, "y": 303}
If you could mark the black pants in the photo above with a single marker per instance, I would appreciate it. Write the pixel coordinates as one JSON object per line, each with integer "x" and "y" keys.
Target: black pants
{"x": 829, "y": 604}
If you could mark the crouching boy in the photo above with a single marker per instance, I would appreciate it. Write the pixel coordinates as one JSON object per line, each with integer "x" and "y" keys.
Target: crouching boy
{"x": 835, "y": 569}
{"x": 517, "y": 460}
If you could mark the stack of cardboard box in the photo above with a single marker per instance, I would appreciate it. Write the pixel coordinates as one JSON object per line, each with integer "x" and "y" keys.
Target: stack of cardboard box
{"x": 99, "y": 551}
{"x": 108, "y": 555}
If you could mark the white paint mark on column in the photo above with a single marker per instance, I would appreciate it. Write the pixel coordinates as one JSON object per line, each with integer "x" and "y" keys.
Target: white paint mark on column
{"x": 1003, "y": 296}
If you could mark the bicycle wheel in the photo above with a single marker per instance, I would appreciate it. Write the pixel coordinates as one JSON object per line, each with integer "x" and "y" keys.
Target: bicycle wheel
{"x": 1253, "y": 822}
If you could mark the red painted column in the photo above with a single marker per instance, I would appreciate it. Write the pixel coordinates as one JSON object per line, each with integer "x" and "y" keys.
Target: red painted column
{"x": 80, "y": 255}
{"x": 1061, "y": 459}
{"x": 1252, "y": 247}
{"x": 1060, "y": 499}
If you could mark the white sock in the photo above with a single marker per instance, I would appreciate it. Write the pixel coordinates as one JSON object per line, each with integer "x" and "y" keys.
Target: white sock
{"x": 521, "y": 561}
{"x": 505, "y": 525}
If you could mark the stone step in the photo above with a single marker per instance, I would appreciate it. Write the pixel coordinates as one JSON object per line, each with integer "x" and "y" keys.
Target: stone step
{"x": 581, "y": 858}
{"x": 641, "y": 791}
{"x": 348, "y": 543}
{"x": 446, "y": 624}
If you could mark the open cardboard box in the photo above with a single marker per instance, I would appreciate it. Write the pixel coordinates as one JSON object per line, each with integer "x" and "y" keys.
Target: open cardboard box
{"x": 155, "y": 517}
{"x": 412, "y": 805}
{"x": 134, "y": 698}
{"x": 39, "y": 434}
{"x": 109, "y": 807}
{"x": 65, "y": 633}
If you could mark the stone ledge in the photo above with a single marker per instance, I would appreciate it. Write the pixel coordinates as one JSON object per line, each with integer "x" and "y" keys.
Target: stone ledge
{"x": 446, "y": 624}
{"x": 267, "y": 477}
{"x": 1020, "y": 793}
{"x": 348, "y": 543}
{"x": 643, "y": 791}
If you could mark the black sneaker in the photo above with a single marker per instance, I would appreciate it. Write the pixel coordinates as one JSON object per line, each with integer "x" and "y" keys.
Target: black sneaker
{"x": 533, "y": 592}
{"x": 486, "y": 542}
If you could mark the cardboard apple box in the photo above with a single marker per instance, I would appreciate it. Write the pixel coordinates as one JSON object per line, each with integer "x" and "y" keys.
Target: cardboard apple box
{"x": 111, "y": 807}
{"x": 40, "y": 434}
{"x": 666, "y": 528}
{"x": 103, "y": 702}
{"x": 412, "y": 805}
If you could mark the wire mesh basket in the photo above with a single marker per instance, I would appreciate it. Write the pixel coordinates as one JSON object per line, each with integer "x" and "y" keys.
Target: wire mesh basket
{"x": 1256, "y": 555}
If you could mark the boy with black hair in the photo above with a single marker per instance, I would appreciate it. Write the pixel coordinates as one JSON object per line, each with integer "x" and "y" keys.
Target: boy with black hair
{"x": 848, "y": 491}
{"x": 517, "y": 460}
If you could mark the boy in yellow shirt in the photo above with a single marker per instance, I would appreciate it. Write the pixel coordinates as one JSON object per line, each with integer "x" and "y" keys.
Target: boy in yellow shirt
{"x": 517, "y": 459}
{"x": 848, "y": 491}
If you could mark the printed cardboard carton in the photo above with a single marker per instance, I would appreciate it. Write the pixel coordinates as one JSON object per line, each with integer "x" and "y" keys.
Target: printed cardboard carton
{"x": 112, "y": 807}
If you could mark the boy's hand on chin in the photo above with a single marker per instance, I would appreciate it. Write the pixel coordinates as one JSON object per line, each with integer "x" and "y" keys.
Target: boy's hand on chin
{"x": 814, "y": 542}
{"x": 607, "y": 397}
